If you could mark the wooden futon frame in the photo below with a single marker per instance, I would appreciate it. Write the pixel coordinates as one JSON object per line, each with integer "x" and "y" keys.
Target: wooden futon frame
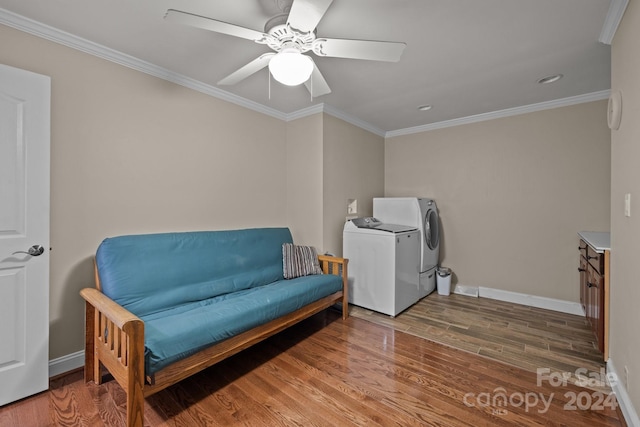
{"x": 115, "y": 340}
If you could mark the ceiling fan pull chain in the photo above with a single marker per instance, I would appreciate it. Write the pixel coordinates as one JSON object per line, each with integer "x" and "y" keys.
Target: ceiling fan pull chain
{"x": 269, "y": 85}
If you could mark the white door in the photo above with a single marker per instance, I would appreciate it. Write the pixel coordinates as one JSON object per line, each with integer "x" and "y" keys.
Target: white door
{"x": 24, "y": 227}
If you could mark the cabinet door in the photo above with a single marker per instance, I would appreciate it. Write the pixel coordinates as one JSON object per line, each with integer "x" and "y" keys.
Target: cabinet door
{"x": 583, "y": 248}
{"x": 589, "y": 294}
{"x": 595, "y": 285}
{"x": 583, "y": 284}
{"x": 596, "y": 259}
{"x": 599, "y": 310}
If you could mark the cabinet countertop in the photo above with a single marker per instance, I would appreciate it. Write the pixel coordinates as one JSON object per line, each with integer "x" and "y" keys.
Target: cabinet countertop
{"x": 600, "y": 241}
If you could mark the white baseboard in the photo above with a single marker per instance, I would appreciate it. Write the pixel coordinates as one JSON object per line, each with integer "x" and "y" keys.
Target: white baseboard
{"x": 66, "y": 363}
{"x": 524, "y": 299}
{"x": 532, "y": 300}
{"x": 628, "y": 411}
{"x": 470, "y": 291}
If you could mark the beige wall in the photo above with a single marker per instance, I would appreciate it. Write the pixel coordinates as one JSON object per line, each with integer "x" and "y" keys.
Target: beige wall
{"x": 304, "y": 180}
{"x": 512, "y": 194}
{"x": 132, "y": 154}
{"x": 625, "y": 178}
{"x": 328, "y": 162}
{"x": 353, "y": 169}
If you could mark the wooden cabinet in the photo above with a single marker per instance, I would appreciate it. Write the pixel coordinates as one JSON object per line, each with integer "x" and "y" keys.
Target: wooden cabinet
{"x": 583, "y": 275}
{"x": 594, "y": 293}
{"x": 595, "y": 314}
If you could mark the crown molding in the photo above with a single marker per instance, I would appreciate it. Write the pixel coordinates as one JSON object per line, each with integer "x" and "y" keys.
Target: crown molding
{"x": 41, "y": 30}
{"x": 612, "y": 21}
{"x": 332, "y": 111}
{"x": 305, "y": 112}
{"x": 38, "y": 29}
{"x": 565, "y": 102}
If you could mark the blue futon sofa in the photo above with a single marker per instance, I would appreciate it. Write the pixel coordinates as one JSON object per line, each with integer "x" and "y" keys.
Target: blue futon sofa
{"x": 169, "y": 305}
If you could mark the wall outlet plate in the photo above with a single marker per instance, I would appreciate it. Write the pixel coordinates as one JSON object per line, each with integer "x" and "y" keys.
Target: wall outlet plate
{"x": 352, "y": 206}
{"x": 626, "y": 378}
{"x": 627, "y": 205}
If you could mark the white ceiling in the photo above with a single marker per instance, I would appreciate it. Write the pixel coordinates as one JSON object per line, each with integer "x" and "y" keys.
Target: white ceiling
{"x": 464, "y": 57}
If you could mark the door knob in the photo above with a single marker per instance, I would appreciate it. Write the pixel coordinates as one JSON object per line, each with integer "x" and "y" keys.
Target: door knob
{"x": 35, "y": 250}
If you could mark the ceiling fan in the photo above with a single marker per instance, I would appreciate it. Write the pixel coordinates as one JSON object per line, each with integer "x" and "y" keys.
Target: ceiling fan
{"x": 290, "y": 36}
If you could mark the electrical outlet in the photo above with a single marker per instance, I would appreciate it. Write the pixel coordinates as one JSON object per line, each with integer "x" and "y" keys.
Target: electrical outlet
{"x": 626, "y": 378}
{"x": 352, "y": 206}
{"x": 627, "y": 204}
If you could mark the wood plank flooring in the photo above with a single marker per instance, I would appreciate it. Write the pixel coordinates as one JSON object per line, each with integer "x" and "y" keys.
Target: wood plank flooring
{"x": 522, "y": 336}
{"x": 328, "y": 372}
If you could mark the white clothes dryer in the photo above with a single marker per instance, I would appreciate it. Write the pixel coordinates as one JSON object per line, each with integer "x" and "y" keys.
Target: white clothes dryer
{"x": 423, "y": 214}
{"x": 383, "y": 264}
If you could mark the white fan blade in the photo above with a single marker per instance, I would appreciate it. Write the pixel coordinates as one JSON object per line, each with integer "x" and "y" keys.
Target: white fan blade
{"x": 212, "y": 25}
{"x": 305, "y": 14}
{"x": 244, "y": 72}
{"x": 316, "y": 84}
{"x": 359, "y": 49}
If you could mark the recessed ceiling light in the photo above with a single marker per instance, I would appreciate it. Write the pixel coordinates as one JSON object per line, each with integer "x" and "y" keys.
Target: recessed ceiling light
{"x": 425, "y": 107}
{"x": 550, "y": 79}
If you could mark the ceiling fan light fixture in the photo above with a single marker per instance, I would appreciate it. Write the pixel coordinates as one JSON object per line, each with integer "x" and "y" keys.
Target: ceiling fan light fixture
{"x": 290, "y": 67}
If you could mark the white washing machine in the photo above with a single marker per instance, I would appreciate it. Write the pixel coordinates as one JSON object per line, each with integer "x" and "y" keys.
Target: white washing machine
{"x": 383, "y": 264}
{"x": 423, "y": 214}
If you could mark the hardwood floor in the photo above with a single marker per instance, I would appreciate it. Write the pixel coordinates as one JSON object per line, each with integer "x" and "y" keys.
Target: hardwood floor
{"x": 329, "y": 372}
{"x": 522, "y": 336}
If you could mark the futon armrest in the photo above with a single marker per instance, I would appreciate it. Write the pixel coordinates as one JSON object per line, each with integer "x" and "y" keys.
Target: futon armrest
{"x": 329, "y": 259}
{"x": 109, "y": 308}
{"x": 334, "y": 265}
{"x": 338, "y": 266}
{"x": 115, "y": 339}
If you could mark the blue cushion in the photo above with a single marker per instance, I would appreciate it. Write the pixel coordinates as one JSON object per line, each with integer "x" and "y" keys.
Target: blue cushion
{"x": 153, "y": 272}
{"x": 181, "y": 331}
